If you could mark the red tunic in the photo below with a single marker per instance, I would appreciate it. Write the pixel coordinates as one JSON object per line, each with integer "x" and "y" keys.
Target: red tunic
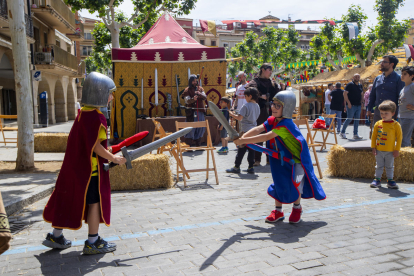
{"x": 67, "y": 206}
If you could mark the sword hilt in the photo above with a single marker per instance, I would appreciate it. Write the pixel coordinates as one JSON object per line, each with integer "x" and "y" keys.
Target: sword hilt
{"x": 128, "y": 164}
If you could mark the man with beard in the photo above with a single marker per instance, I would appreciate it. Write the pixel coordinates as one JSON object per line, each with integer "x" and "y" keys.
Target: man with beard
{"x": 386, "y": 86}
{"x": 267, "y": 90}
{"x": 195, "y": 110}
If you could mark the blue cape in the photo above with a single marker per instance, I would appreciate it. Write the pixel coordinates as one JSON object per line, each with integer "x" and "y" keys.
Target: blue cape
{"x": 284, "y": 189}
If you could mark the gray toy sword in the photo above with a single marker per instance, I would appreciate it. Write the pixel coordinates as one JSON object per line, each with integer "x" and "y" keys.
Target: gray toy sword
{"x": 134, "y": 154}
{"x": 223, "y": 121}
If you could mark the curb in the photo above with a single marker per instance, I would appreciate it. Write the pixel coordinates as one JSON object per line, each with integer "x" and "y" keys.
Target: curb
{"x": 38, "y": 194}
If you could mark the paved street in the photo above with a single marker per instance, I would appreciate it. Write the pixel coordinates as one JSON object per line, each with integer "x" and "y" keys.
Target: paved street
{"x": 210, "y": 229}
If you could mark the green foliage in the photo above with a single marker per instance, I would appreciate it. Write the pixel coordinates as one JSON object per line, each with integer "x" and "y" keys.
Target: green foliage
{"x": 276, "y": 46}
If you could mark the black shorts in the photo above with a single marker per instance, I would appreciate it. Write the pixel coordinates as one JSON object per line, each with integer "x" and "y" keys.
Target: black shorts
{"x": 93, "y": 191}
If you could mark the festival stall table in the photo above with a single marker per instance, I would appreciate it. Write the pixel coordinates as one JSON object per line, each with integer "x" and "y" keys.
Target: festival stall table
{"x": 168, "y": 123}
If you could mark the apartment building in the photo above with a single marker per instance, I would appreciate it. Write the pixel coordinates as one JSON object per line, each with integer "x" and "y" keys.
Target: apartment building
{"x": 52, "y": 33}
{"x": 410, "y": 38}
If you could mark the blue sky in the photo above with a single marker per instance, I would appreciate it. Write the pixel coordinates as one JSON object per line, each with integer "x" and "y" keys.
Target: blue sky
{"x": 298, "y": 9}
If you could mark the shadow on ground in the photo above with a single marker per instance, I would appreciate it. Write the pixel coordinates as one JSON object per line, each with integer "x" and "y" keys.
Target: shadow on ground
{"x": 279, "y": 232}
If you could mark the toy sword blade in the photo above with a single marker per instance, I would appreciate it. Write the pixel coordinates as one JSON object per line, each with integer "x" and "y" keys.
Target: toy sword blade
{"x": 134, "y": 154}
{"x": 271, "y": 153}
{"x": 223, "y": 121}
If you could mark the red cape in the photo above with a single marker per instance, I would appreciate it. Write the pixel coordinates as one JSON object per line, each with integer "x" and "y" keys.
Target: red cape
{"x": 67, "y": 206}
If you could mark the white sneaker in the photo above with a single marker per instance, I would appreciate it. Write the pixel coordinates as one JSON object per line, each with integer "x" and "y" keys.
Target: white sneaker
{"x": 357, "y": 137}
{"x": 342, "y": 135}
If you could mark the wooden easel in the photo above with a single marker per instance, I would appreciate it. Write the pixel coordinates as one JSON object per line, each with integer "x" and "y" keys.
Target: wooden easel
{"x": 311, "y": 143}
{"x": 209, "y": 148}
{"x": 331, "y": 129}
{"x": 169, "y": 146}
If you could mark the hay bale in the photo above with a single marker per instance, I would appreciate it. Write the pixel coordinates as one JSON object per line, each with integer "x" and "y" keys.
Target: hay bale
{"x": 151, "y": 171}
{"x": 50, "y": 142}
{"x": 361, "y": 164}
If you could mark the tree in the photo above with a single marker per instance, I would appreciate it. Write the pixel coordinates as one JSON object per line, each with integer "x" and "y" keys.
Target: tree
{"x": 276, "y": 46}
{"x": 25, "y": 144}
{"x": 144, "y": 10}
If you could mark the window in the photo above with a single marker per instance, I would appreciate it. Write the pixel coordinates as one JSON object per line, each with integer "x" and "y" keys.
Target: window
{"x": 68, "y": 48}
{"x": 302, "y": 47}
{"x": 84, "y": 50}
{"x": 213, "y": 43}
{"x": 89, "y": 50}
{"x": 57, "y": 43}
{"x": 88, "y": 36}
{"x": 225, "y": 45}
{"x": 202, "y": 42}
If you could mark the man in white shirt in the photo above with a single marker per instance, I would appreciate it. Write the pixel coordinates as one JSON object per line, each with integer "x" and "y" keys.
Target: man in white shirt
{"x": 328, "y": 103}
{"x": 240, "y": 100}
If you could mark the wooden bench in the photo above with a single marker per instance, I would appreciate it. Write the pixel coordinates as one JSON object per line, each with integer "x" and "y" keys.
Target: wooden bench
{"x": 3, "y": 128}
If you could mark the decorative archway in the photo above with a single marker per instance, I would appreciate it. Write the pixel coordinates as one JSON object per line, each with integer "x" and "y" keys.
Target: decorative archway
{"x": 60, "y": 103}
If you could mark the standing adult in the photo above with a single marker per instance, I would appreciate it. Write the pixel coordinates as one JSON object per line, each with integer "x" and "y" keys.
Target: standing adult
{"x": 366, "y": 102}
{"x": 353, "y": 100}
{"x": 267, "y": 90}
{"x": 336, "y": 97}
{"x": 240, "y": 100}
{"x": 328, "y": 103}
{"x": 406, "y": 104}
{"x": 386, "y": 86}
{"x": 195, "y": 110}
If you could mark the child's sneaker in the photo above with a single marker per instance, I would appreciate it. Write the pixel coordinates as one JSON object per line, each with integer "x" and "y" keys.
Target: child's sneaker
{"x": 295, "y": 215}
{"x": 275, "y": 216}
{"x": 391, "y": 184}
{"x": 376, "y": 183}
{"x": 59, "y": 242}
{"x": 250, "y": 170}
{"x": 233, "y": 170}
{"x": 98, "y": 247}
{"x": 342, "y": 135}
{"x": 222, "y": 150}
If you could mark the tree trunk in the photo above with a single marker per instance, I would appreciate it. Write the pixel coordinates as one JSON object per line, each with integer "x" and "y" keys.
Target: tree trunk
{"x": 115, "y": 35}
{"x": 371, "y": 51}
{"x": 361, "y": 61}
{"x": 340, "y": 59}
{"x": 25, "y": 146}
{"x": 332, "y": 62}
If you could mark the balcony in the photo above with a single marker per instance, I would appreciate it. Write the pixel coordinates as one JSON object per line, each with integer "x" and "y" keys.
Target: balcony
{"x": 57, "y": 61}
{"x": 81, "y": 70}
{"x": 56, "y": 14}
{"x": 79, "y": 34}
{"x": 4, "y": 22}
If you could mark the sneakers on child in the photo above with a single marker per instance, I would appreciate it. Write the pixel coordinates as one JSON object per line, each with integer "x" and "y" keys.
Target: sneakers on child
{"x": 342, "y": 135}
{"x": 357, "y": 137}
{"x": 98, "y": 247}
{"x": 391, "y": 184}
{"x": 222, "y": 150}
{"x": 376, "y": 183}
{"x": 275, "y": 216}
{"x": 233, "y": 170}
{"x": 295, "y": 215}
{"x": 59, "y": 242}
{"x": 250, "y": 170}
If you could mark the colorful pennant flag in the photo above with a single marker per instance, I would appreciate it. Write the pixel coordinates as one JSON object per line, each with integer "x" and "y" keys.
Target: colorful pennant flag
{"x": 208, "y": 25}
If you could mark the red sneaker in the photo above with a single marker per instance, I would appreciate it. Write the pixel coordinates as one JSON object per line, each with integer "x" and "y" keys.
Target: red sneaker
{"x": 295, "y": 215}
{"x": 275, "y": 216}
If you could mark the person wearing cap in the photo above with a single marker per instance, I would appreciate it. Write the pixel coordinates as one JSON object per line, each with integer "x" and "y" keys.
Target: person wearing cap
{"x": 290, "y": 161}
{"x": 267, "y": 90}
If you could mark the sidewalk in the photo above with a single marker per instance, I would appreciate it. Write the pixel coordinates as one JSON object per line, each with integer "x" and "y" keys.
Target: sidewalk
{"x": 20, "y": 190}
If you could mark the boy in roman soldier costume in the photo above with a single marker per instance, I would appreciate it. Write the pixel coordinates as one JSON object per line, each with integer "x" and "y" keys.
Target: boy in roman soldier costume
{"x": 291, "y": 165}
{"x": 195, "y": 111}
{"x": 82, "y": 190}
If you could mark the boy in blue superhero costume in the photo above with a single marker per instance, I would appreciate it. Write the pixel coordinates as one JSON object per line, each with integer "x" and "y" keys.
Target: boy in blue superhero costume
{"x": 291, "y": 165}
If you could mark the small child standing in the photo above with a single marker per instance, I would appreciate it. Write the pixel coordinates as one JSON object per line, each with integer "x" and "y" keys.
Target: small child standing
{"x": 290, "y": 162}
{"x": 224, "y": 104}
{"x": 386, "y": 143}
{"x": 248, "y": 119}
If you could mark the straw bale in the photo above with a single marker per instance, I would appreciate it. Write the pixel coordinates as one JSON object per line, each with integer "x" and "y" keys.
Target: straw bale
{"x": 151, "y": 171}
{"x": 361, "y": 164}
{"x": 50, "y": 142}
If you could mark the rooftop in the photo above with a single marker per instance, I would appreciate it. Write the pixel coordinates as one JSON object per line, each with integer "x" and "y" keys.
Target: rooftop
{"x": 270, "y": 17}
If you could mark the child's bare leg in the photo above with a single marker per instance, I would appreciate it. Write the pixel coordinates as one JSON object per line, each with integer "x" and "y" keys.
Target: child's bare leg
{"x": 94, "y": 216}
{"x": 278, "y": 204}
{"x": 224, "y": 142}
{"x": 297, "y": 202}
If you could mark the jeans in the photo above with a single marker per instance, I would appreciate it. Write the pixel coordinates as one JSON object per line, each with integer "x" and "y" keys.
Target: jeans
{"x": 240, "y": 154}
{"x": 328, "y": 111}
{"x": 407, "y": 126}
{"x": 384, "y": 159}
{"x": 338, "y": 119}
{"x": 197, "y": 133}
{"x": 352, "y": 113}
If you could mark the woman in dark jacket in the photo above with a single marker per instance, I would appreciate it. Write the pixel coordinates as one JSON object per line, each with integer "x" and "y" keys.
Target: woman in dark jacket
{"x": 267, "y": 90}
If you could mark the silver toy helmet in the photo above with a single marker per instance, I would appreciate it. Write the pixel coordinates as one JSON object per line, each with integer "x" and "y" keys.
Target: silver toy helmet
{"x": 96, "y": 90}
{"x": 288, "y": 99}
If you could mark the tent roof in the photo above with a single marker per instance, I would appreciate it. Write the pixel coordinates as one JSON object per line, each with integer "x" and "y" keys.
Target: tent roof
{"x": 367, "y": 74}
{"x": 167, "y": 41}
